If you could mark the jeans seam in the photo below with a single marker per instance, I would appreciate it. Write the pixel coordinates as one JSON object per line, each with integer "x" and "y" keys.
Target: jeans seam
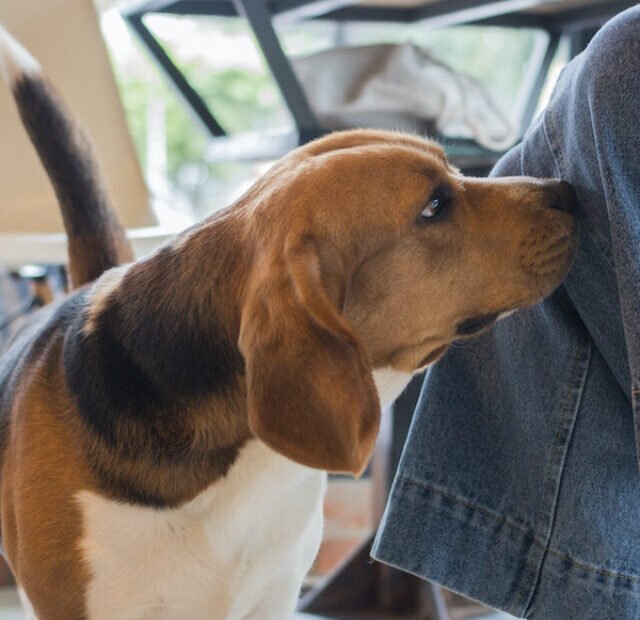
{"x": 596, "y": 570}
{"x": 555, "y": 492}
{"x": 558, "y": 159}
{"x": 474, "y": 506}
{"x": 537, "y": 540}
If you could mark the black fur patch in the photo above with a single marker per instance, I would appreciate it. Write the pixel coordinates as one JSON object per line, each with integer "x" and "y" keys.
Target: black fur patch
{"x": 150, "y": 359}
{"x": 125, "y": 488}
{"x": 67, "y": 156}
{"x": 135, "y": 379}
{"x": 57, "y": 142}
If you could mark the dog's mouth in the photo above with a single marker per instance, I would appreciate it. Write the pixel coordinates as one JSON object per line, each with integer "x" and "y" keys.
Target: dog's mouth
{"x": 551, "y": 258}
{"x": 467, "y": 328}
{"x": 476, "y": 324}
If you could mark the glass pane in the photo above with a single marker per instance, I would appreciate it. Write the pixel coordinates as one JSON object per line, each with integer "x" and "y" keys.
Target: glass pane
{"x": 559, "y": 62}
{"x": 170, "y": 143}
{"x": 224, "y": 65}
{"x": 499, "y": 58}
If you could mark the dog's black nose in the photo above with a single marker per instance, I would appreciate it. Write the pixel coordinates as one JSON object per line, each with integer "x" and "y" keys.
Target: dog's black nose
{"x": 565, "y": 198}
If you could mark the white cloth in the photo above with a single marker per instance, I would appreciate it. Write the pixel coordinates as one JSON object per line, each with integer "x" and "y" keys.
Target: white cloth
{"x": 401, "y": 87}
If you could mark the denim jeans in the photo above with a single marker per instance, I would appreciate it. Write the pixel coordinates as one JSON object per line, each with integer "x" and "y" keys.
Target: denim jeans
{"x": 519, "y": 484}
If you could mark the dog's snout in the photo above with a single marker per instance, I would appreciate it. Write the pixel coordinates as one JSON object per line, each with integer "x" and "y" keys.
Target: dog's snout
{"x": 564, "y": 198}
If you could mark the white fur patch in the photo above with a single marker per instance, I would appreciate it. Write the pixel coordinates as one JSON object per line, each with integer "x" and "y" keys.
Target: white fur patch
{"x": 504, "y": 315}
{"x": 238, "y": 551}
{"x": 15, "y": 60}
{"x": 26, "y": 604}
{"x": 390, "y": 384}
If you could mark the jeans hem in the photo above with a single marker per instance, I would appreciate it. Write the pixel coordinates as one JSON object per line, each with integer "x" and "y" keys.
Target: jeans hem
{"x": 484, "y": 555}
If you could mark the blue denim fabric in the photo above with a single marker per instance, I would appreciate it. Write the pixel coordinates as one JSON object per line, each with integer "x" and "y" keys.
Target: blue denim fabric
{"x": 519, "y": 485}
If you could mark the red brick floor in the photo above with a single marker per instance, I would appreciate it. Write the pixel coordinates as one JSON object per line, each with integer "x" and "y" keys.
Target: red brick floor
{"x": 348, "y": 521}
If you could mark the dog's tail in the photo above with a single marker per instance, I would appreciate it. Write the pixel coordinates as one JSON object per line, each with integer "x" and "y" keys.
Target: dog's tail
{"x": 96, "y": 237}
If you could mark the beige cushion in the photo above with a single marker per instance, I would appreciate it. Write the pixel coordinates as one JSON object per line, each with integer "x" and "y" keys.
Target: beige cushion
{"x": 65, "y": 37}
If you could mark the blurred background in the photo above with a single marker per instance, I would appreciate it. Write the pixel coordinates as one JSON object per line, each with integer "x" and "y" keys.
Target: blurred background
{"x": 221, "y": 60}
{"x": 189, "y": 101}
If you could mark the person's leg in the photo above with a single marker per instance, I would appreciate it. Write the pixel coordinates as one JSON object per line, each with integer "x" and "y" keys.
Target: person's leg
{"x": 519, "y": 483}
{"x": 592, "y": 131}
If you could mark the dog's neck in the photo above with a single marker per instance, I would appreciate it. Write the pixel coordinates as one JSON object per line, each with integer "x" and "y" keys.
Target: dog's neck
{"x": 155, "y": 370}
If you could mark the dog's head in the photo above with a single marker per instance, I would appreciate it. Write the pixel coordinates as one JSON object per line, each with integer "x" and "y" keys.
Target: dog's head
{"x": 371, "y": 251}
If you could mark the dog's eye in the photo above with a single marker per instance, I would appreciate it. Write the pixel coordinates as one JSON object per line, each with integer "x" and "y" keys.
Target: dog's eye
{"x": 437, "y": 205}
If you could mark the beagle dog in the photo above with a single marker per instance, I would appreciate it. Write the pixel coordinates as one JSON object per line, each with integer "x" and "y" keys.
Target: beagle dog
{"x": 166, "y": 428}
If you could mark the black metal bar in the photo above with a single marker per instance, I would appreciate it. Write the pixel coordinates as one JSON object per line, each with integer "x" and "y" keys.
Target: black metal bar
{"x": 590, "y": 16}
{"x": 259, "y": 19}
{"x": 518, "y": 20}
{"x": 226, "y": 8}
{"x": 192, "y": 98}
{"x": 454, "y": 12}
{"x": 147, "y": 6}
{"x": 282, "y": 6}
{"x": 508, "y": 13}
{"x": 541, "y": 78}
{"x": 213, "y": 8}
{"x": 311, "y": 9}
{"x": 371, "y": 14}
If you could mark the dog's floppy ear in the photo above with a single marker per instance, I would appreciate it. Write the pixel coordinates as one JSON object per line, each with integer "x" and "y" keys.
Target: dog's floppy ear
{"x": 311, "y": 395}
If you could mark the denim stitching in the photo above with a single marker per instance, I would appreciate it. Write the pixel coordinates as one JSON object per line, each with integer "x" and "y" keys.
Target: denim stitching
{"x": 557, "y": 155}
{"x": 606, "y": 175}
{"x": 558, "y": 159}
{"x": 473, "y": 506}
{"x": 576, "y": 400}
{"x": 593, "y": 569}
{"x": 537, "y": 540}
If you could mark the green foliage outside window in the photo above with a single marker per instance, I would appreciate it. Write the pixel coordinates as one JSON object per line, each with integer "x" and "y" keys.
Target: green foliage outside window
{"x": 246, "y": 99}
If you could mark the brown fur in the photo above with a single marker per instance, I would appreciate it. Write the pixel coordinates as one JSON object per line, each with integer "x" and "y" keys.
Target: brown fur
{"x": 42, "y": 472}
{"x": 265, "y": 320}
